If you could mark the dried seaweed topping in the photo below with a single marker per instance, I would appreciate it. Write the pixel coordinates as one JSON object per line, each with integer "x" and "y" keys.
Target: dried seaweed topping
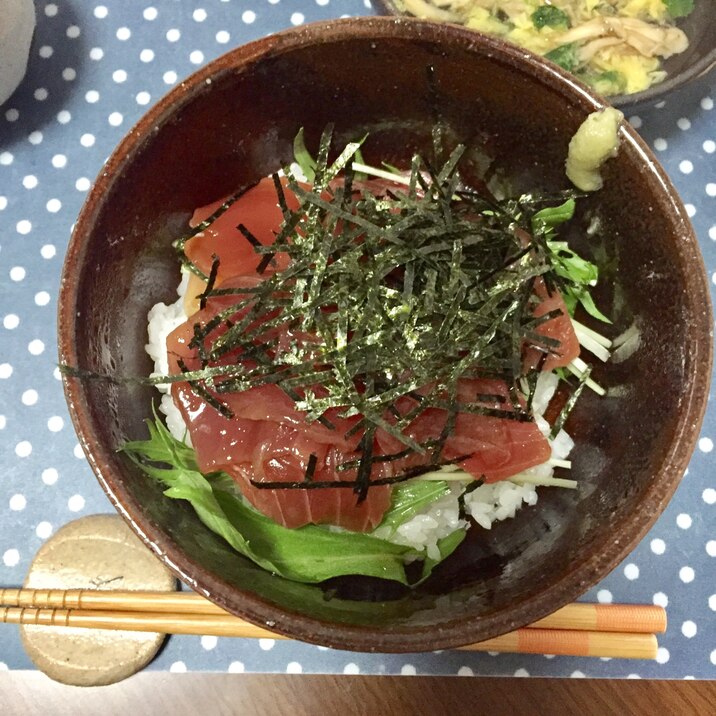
{"x": 392, "y": 294}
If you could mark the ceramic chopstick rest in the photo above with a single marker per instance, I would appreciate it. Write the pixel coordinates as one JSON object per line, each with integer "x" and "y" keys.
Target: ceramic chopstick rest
{"x": 100, "y": 552}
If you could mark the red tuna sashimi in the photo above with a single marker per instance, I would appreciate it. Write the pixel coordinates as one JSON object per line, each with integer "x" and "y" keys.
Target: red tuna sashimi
{"x": 271, "y": 451}
{"x": 498, "y": 447}
{"x": 560, "y": 328}
{"x": 265, "y": 402}
{"x": 259, "y": 211}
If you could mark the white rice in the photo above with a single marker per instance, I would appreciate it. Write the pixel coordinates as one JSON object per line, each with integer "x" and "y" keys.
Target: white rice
{"x": 162, "y": 319}
{"x": 498, "y": 501}
{"x": 423, "y": 531}
{"x": 487, "y": 504}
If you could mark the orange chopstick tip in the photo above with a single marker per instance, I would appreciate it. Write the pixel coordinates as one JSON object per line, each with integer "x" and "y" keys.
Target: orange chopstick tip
{"x": 562, "y": 642}
{"x": 618, "y": 617}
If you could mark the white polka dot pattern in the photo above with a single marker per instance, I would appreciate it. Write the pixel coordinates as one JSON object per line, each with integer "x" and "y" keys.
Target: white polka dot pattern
{"x": 95, "y": 68}
{"x": 209, "y": 642}
{"x": 43, "y": 530}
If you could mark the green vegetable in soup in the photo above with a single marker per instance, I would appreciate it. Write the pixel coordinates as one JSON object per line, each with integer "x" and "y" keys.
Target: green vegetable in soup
{"x": 679, "y": 8}
{"x": 565, "y": 56}
{"x": 549, "y": 16}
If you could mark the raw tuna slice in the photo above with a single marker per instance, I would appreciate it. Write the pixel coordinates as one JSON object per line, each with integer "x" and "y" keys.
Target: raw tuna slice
{"x": 498, "y": 447}
{"x": 259, "y": 212}
{"x": 560, "y": 328}
{"x": 269, "y": 440}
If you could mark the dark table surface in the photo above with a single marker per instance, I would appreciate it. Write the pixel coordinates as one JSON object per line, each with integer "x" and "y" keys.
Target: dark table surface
{"x": 185, "y": 695}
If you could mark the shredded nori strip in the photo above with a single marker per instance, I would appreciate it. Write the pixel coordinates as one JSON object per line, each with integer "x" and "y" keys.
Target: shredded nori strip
{"x": 351, "y": 464}
{"x": 569, "y": 405}
{"x": 268, "y": 259}
{"x": 365, "y": 466}
{"x": 353, "y": 484}
{"x": 209, "y": 286}
{"x": 310, "y": 467}
{"x": 532, "y": 377}
{"x": 202, "y": 392}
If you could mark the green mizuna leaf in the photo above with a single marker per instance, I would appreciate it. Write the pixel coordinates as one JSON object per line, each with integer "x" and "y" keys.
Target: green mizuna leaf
{"x": 579, "y": 277}
{"x": 409, "y": 498}
{"x": 571, "y": 266}
{"x": 577, "y": 274}
{"x": 679, "y": 8}
{"x": 303, "y": 157}
{"x": 552, "y": 216}
{"x": 572, "y": 296}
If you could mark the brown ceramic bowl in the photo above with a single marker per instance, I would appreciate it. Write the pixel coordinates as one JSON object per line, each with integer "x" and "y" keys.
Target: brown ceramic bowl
{"x": 698, "y": 59}
{"x": 234, "y": 121}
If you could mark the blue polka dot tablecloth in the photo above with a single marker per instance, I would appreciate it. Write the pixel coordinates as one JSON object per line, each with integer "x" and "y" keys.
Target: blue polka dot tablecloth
{"x": 94, "y": 69}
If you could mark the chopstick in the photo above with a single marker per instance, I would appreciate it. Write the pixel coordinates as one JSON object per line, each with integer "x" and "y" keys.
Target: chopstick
{"x": 528, "y": 641}
{"x": 638, "y": 618}
{"x": 620, "y": 631}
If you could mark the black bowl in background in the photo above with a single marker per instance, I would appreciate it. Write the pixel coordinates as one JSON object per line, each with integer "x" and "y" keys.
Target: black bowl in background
{"x": 698, "y": 59}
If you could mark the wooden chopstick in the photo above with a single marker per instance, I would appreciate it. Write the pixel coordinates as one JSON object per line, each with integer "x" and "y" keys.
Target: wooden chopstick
{"x": 638, "y": 618}
{"x": 530, "y": 641}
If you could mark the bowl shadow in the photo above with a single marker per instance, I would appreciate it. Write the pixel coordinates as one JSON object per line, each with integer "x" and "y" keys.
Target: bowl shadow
{"x": 45, "y": 73}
